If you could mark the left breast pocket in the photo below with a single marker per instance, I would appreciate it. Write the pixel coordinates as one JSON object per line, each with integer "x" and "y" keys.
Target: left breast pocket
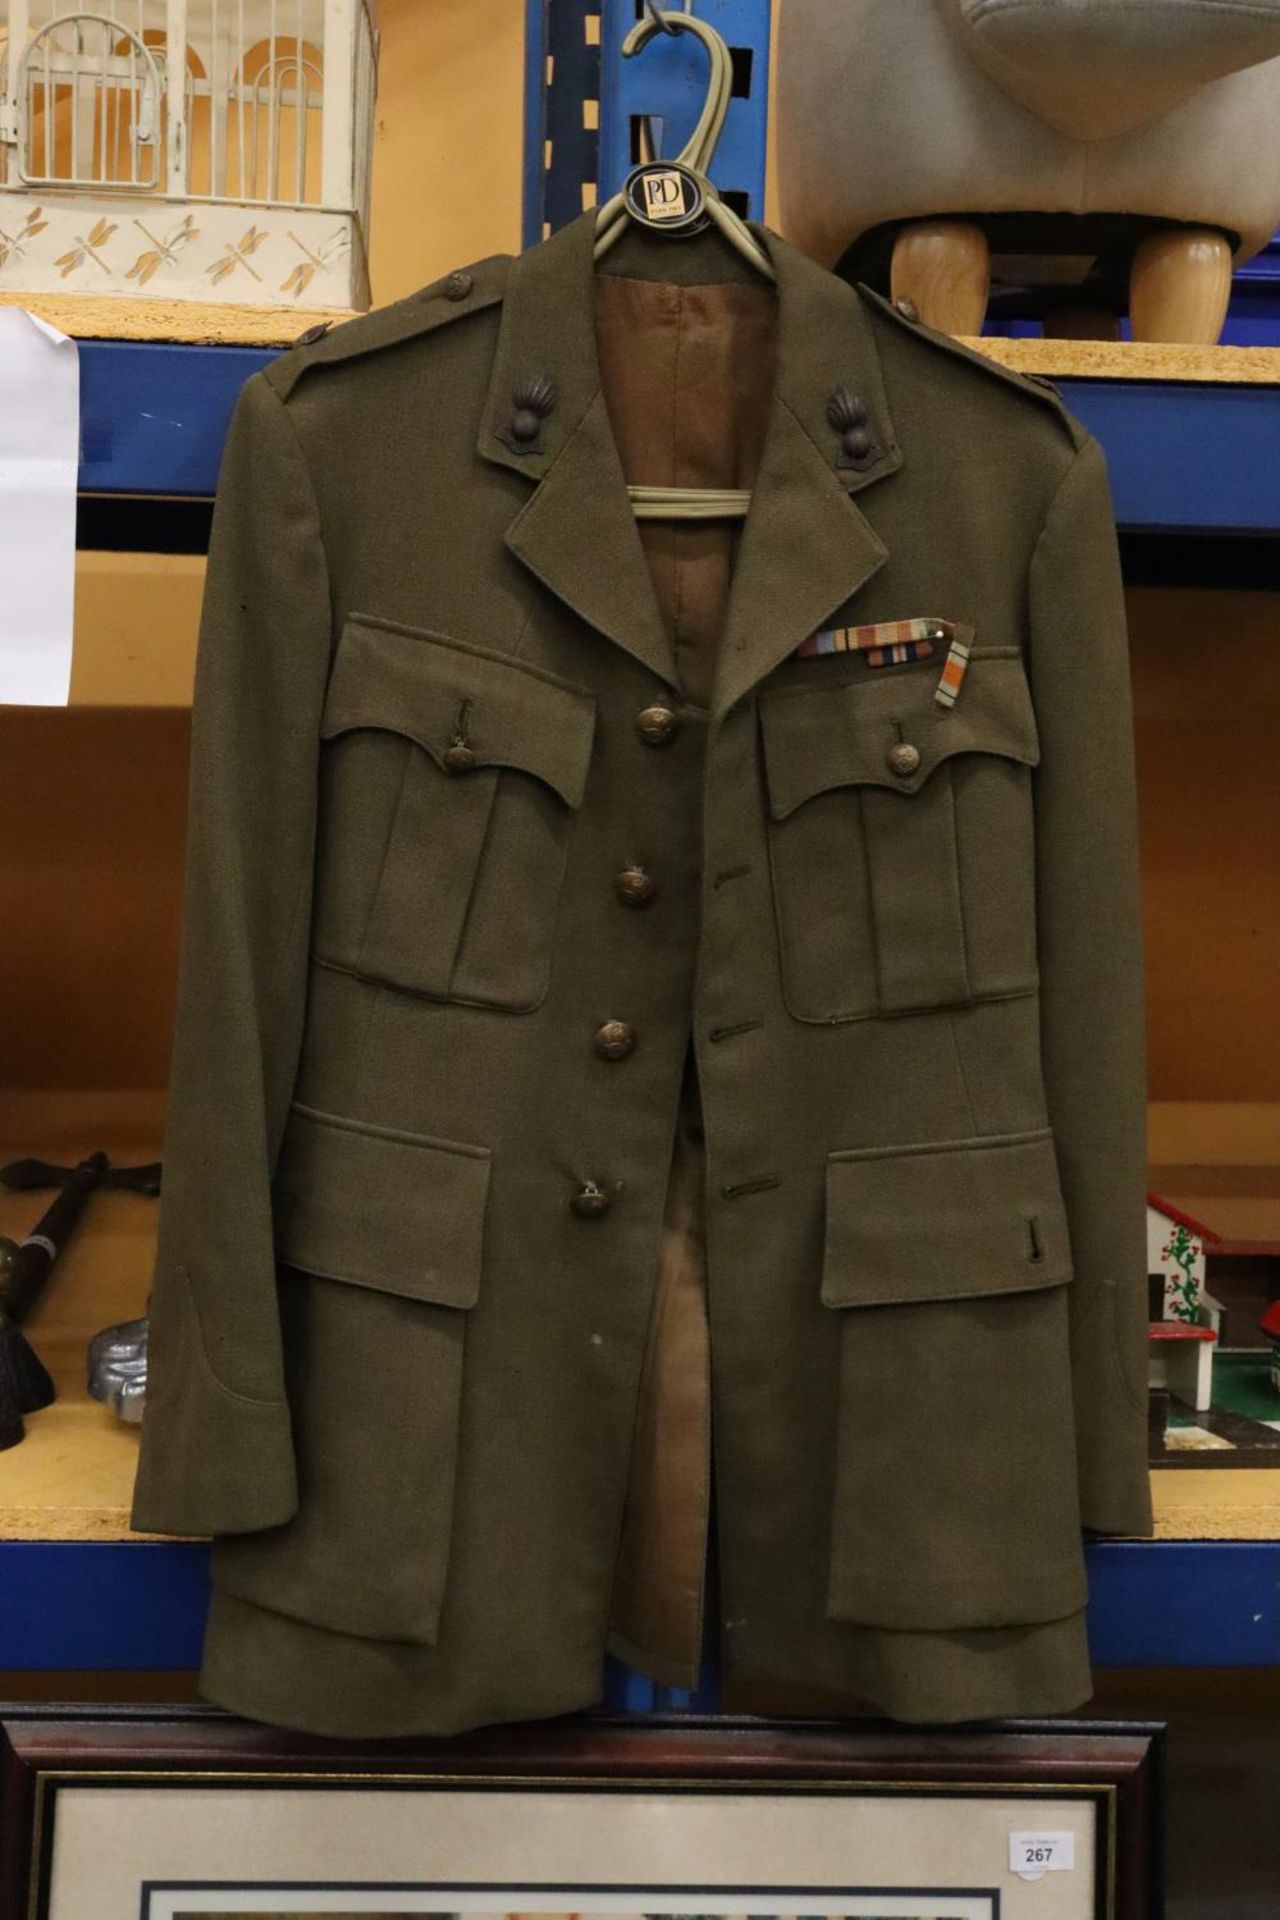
{"x": 449, "y": 781}
{"x": 901, "y": 844}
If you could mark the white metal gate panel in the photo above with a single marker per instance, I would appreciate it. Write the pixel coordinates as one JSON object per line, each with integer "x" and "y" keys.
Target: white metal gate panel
{"x": 88, "y": 105}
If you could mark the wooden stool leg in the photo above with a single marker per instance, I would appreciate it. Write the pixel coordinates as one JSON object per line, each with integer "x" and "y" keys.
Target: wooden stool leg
{"x": 944, "y": 268}
{"x": 1179, "y": 287}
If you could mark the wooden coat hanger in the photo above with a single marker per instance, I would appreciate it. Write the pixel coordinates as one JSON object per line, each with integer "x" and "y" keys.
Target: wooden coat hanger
{"x": 686, "y": 503}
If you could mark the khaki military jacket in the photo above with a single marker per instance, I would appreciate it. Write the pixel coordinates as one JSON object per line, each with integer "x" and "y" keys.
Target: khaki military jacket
{"x": 660, "y": 1044}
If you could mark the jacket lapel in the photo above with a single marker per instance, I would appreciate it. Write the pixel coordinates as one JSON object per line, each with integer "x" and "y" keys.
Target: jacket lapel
{"x": 806, "y": 547}
{"x": 576, "y": 532}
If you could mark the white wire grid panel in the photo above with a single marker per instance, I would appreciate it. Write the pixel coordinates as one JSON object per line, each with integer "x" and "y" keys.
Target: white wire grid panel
{"x": 259, "y": 102}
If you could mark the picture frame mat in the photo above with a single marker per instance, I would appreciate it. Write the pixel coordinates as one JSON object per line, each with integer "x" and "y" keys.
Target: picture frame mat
{"x": 761, "y": 1847}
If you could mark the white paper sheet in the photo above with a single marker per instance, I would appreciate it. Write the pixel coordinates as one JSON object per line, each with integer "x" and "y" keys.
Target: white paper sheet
{"x": 39, "y": 459}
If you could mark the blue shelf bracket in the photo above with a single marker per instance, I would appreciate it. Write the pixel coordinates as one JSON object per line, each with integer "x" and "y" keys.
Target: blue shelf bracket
{"x": 584, "y": 105}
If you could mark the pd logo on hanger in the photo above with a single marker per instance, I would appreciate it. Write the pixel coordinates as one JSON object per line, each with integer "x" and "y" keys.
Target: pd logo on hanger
{"x": 665, "y": 197}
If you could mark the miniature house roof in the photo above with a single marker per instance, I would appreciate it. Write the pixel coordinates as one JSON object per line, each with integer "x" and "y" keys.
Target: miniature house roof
{"x": 1170, "y": 1212}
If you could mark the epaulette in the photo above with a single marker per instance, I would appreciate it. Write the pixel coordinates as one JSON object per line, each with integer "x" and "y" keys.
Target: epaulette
{"x": 1033, "y": 385}
{"x": 466, "y": 290}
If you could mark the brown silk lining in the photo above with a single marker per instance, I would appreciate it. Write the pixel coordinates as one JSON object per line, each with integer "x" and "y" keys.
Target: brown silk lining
{"x": 657, "y": 1598}
{"x": 687, "y": 373}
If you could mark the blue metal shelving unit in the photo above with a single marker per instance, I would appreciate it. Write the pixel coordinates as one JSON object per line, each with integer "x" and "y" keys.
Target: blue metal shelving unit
{"x": 153, "y": 418}
{"x": 1186, "y": 458}
{"x": 1183, "y": 458}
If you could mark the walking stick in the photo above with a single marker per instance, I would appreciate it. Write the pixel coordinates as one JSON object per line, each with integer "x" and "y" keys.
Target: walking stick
{"x": 25, "y": 1267}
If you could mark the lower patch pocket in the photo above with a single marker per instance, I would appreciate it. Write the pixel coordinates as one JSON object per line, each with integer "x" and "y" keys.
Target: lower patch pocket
{"x": 379, "y": 1236}
{"x": 955, "y": 1500}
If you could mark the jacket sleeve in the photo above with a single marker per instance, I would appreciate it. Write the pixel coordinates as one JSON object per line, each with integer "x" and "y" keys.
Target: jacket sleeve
{"x": 217, "y": 1451}
{"x": 1093, "y": 1033}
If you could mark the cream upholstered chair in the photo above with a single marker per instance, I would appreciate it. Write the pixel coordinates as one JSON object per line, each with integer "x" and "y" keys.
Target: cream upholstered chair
{"x": 1094, "y": 148}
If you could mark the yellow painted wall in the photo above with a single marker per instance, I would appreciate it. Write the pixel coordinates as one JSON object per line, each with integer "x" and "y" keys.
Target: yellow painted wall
{"x": 93, "y": 804}
{"x": 1206, "y": 689}
{"x": 448, "y": 153}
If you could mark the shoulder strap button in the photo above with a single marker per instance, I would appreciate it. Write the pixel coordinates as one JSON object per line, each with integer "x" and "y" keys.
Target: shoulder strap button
{"x": 906, "y": 307}
{"x": 457, "y": 286}
{"x": 313, "y": 333}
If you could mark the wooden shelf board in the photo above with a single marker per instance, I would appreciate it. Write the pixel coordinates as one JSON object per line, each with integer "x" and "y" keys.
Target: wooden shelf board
{"x": 72, "y": 1477}
{"x": 1133, "y": 360}
{"x": 1237, "y": 1503}
{"x": 209, "y": 323}
{"x": 188, "y": 322}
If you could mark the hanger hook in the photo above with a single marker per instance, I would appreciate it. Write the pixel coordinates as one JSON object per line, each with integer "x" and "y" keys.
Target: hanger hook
{"x": 698, "y": 149}
{"x": 695, "y": 155}
{"x": 658, "y": 15}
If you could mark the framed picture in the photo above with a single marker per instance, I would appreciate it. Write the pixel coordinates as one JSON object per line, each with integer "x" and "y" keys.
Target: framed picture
{"x": 188, "y": 1814}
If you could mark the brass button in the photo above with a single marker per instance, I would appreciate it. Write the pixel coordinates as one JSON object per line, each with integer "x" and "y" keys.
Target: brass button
{"x": 907, "y": 307}
{"x": 525, "y": 424}
{"x": 459, "y": 758}
{"x": 903, "y": 758}
{"x": 635, "y": 887}
{"x": 857, "y": 443}
{"x": 457, "y": 286}
{"x": 615, "y": 1040}
{"x": 591, "y": 1201}
{"x": 657, "y": 726}
{"x": 313, "y": 333}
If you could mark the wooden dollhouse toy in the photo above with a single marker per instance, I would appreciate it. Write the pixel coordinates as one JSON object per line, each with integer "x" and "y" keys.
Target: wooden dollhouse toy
{"x": 192, "y": 149}
{"x": 1270, "y": 1324}
{"x": 1185, "y": 1317}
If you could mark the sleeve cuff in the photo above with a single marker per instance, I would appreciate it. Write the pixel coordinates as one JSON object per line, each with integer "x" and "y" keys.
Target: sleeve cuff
{"x": 214, "y": 1464}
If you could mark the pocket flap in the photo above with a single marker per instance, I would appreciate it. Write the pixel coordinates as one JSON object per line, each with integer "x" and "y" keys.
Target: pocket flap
{"x": 399, "y": 1212}
{"x": 944, "y": 1222}
{"x": 435, "y": 690}
{"x": 820, "y": 737}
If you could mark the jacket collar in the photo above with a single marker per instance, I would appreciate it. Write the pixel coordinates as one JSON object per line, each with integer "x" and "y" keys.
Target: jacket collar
{"x": 805, "y": 548}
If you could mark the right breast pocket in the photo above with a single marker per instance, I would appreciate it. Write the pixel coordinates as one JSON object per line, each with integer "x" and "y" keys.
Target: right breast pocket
{"x": 449, "y": 782}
